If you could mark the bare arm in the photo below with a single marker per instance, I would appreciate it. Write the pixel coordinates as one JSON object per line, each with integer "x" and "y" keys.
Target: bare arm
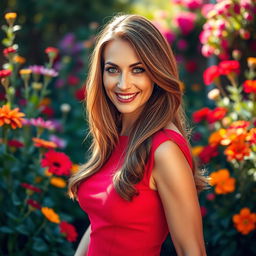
{"x": 83, "y": 245}
{"x": 176, "y": 188}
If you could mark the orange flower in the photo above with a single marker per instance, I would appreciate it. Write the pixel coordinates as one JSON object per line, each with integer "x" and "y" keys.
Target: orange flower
{"x": 58, "y": 182}
{"x": 251, "y": 136}
{"x": 44, "y": 143}
{"x": 197, "y": 150}
{"x": 19, "y": 59}
{"x": 250, "y": 86}
{"x": 50, "y": 214}
{"x": 238, "y": 149}
{"x": 10, "y": 17}
{"x": 222, "y": 181}
{"x": 74, "y": 168}
{"x": 216, "y": 137}
{"x": 245, "y": 221}
{"x": 11, "y": 117}
{"x": 251, "y": 61}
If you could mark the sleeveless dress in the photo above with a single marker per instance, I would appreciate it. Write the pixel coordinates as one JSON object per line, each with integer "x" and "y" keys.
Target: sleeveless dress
{"x": 119, "y": 227}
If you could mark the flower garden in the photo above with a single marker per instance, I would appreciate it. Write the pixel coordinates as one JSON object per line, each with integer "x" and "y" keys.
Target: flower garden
{"x": 42, "y": 125}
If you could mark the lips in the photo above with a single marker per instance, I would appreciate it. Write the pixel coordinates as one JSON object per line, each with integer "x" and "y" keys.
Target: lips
{"x": 126, "y": 97}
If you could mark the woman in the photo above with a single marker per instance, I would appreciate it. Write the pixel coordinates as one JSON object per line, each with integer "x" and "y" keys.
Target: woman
{"x": 141, "y": 181}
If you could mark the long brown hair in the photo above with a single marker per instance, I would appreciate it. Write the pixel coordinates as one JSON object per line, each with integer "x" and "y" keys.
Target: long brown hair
{"x": 163, "y": 107}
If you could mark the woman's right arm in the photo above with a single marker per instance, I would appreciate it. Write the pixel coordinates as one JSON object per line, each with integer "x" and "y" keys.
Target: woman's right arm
{"x": 83, "y": 245}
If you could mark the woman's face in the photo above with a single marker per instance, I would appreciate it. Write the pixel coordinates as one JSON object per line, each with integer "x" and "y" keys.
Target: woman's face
{"x": 126, "y": 82}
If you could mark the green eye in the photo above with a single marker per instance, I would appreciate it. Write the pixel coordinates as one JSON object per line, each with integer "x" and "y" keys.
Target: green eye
{"x": 111, "y": 70}
{"x": 138, "y": 70}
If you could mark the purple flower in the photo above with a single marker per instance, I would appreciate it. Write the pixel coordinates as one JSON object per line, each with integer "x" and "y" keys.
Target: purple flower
{"x": 61, "y": 143}
{"x": 49, "y": 72}
{"x": 36, "y": 69}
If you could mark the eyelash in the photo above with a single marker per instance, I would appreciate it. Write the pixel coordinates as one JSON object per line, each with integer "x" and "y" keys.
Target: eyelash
{"x": 109, "y": 68}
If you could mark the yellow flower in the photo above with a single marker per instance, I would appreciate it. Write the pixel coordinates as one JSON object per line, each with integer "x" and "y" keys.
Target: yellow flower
{"x": 10, "y": 17}
{"x": 50, "y": 214}
{"x": 25, "y": 71}
{"x": 197, "y": 150}
{"x": 58, "y": 182}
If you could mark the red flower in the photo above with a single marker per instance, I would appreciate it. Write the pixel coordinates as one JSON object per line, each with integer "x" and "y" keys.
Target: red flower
{"x": 216, "y": 114}
{"x": 69, "y": 231}
{"x": 48, "y": 111}
{"x": 229, "y": 66}
{"x": 73, "y": 80}
{"x": 31, "y": 187}
{"x": 210, "y": 74}
{"x": 59, "y": 163}
{"x": 5, "y": 73}
{"x": 15, "y": 144}
{"x": 34, "y": 204}
{"x": 51, "y": 49}
{"x": 8, "y": 50}
{"x": 80, "y": 94}
{"x": 200, "y": 115}
{"x": 191, "y": 66}
{"x": 208, "y": 153}
{"x": 250, "y": 86}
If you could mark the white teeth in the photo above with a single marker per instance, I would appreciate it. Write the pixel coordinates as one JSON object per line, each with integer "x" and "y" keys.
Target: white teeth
{"x": 126, "y": 97}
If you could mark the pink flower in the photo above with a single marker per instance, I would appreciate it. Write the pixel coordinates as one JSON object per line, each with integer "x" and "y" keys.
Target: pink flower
{"x": 206, "y": 9}
{"x": 186, "y": 22}
{"x": 61, "y": 143}
{"x": 40, "y": 122}
{"x": 169, "y": 35}
{"x": 203, "y": 210}
{"x": 182, "y": 44}
{"x": 193, "y": 4}
{"x": 207, "y": 50}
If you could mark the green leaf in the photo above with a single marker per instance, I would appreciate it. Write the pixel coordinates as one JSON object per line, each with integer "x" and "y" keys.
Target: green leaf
{"x": 15, "y": 199}
{"x": 39, "y": 245}
{"x": 6, "y": 230}
{"x": 6, "y": 42}
{"x": 22, "y": 229}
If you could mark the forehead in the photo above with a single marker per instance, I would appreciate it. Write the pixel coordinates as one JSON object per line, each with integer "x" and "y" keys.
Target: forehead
{"x": 120, "y": 52}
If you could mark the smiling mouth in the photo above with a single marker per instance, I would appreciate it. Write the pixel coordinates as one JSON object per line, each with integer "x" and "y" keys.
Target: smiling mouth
{"x": 126, "y": 97}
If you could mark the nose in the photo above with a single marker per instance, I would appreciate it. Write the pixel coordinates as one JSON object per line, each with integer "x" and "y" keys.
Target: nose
{"x": 124, "y": 82}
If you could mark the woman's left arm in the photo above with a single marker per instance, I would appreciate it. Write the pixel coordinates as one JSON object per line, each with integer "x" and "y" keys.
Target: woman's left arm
{"x": 177, "y": 190}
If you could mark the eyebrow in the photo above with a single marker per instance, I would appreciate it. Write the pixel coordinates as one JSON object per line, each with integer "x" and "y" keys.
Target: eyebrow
{"x": 132, "y": 65}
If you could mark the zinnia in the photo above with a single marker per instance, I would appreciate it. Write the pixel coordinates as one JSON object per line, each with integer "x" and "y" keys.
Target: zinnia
{"x": 245, "y": 221}
{"x": 222, "y": 181}
{"x": 59, "y": 163}
{"x": 50, "y": 214}
{"x": 216, "y": 114}
{"x": 211, "y": 74}
{"x": 200, "y": 115}
{"x": 250, "y": 86}
{"x": 208, "y": 153}
{"x": 229, "y": 66}
{"x": 11, "y": 117}
{"x": 69, "y": 231}
{"x": 44, "y": 143}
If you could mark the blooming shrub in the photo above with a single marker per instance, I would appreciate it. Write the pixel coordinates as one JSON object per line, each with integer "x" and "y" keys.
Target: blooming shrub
{"x": 33, "y": 171}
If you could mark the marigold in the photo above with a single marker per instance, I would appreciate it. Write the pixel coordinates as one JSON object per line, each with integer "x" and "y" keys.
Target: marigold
{"x": 69, "y": 231}
{"x": 245, "y": 221}
{"x": 58, "y": 182}
{"x": 10, "y": 17}
{"x": 59, "y": 163}
{"x": 250, "y": 86}
{"x": 238, "y": 149}
{"x": 50, "y": 214}
{"x": 44, "y": 143}
{"x": 11, "y": 117}
{"x": 251, "y": 61}
{"x": 251, "y": 136}
{"x": 216, "y": 137}
{"x": 19, "y": 59}
{"x": 222, "y": 181}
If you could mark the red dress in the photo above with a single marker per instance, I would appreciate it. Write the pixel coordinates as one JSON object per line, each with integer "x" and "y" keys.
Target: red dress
{"x": 119, "y": 227}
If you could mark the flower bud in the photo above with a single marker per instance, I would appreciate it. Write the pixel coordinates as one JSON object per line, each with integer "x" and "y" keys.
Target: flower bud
{"x": 65, "y": 107}
{"x": 236, "y": 54}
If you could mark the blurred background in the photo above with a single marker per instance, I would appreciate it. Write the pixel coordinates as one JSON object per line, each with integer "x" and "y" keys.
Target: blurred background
{"x": 45, "y": 49}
